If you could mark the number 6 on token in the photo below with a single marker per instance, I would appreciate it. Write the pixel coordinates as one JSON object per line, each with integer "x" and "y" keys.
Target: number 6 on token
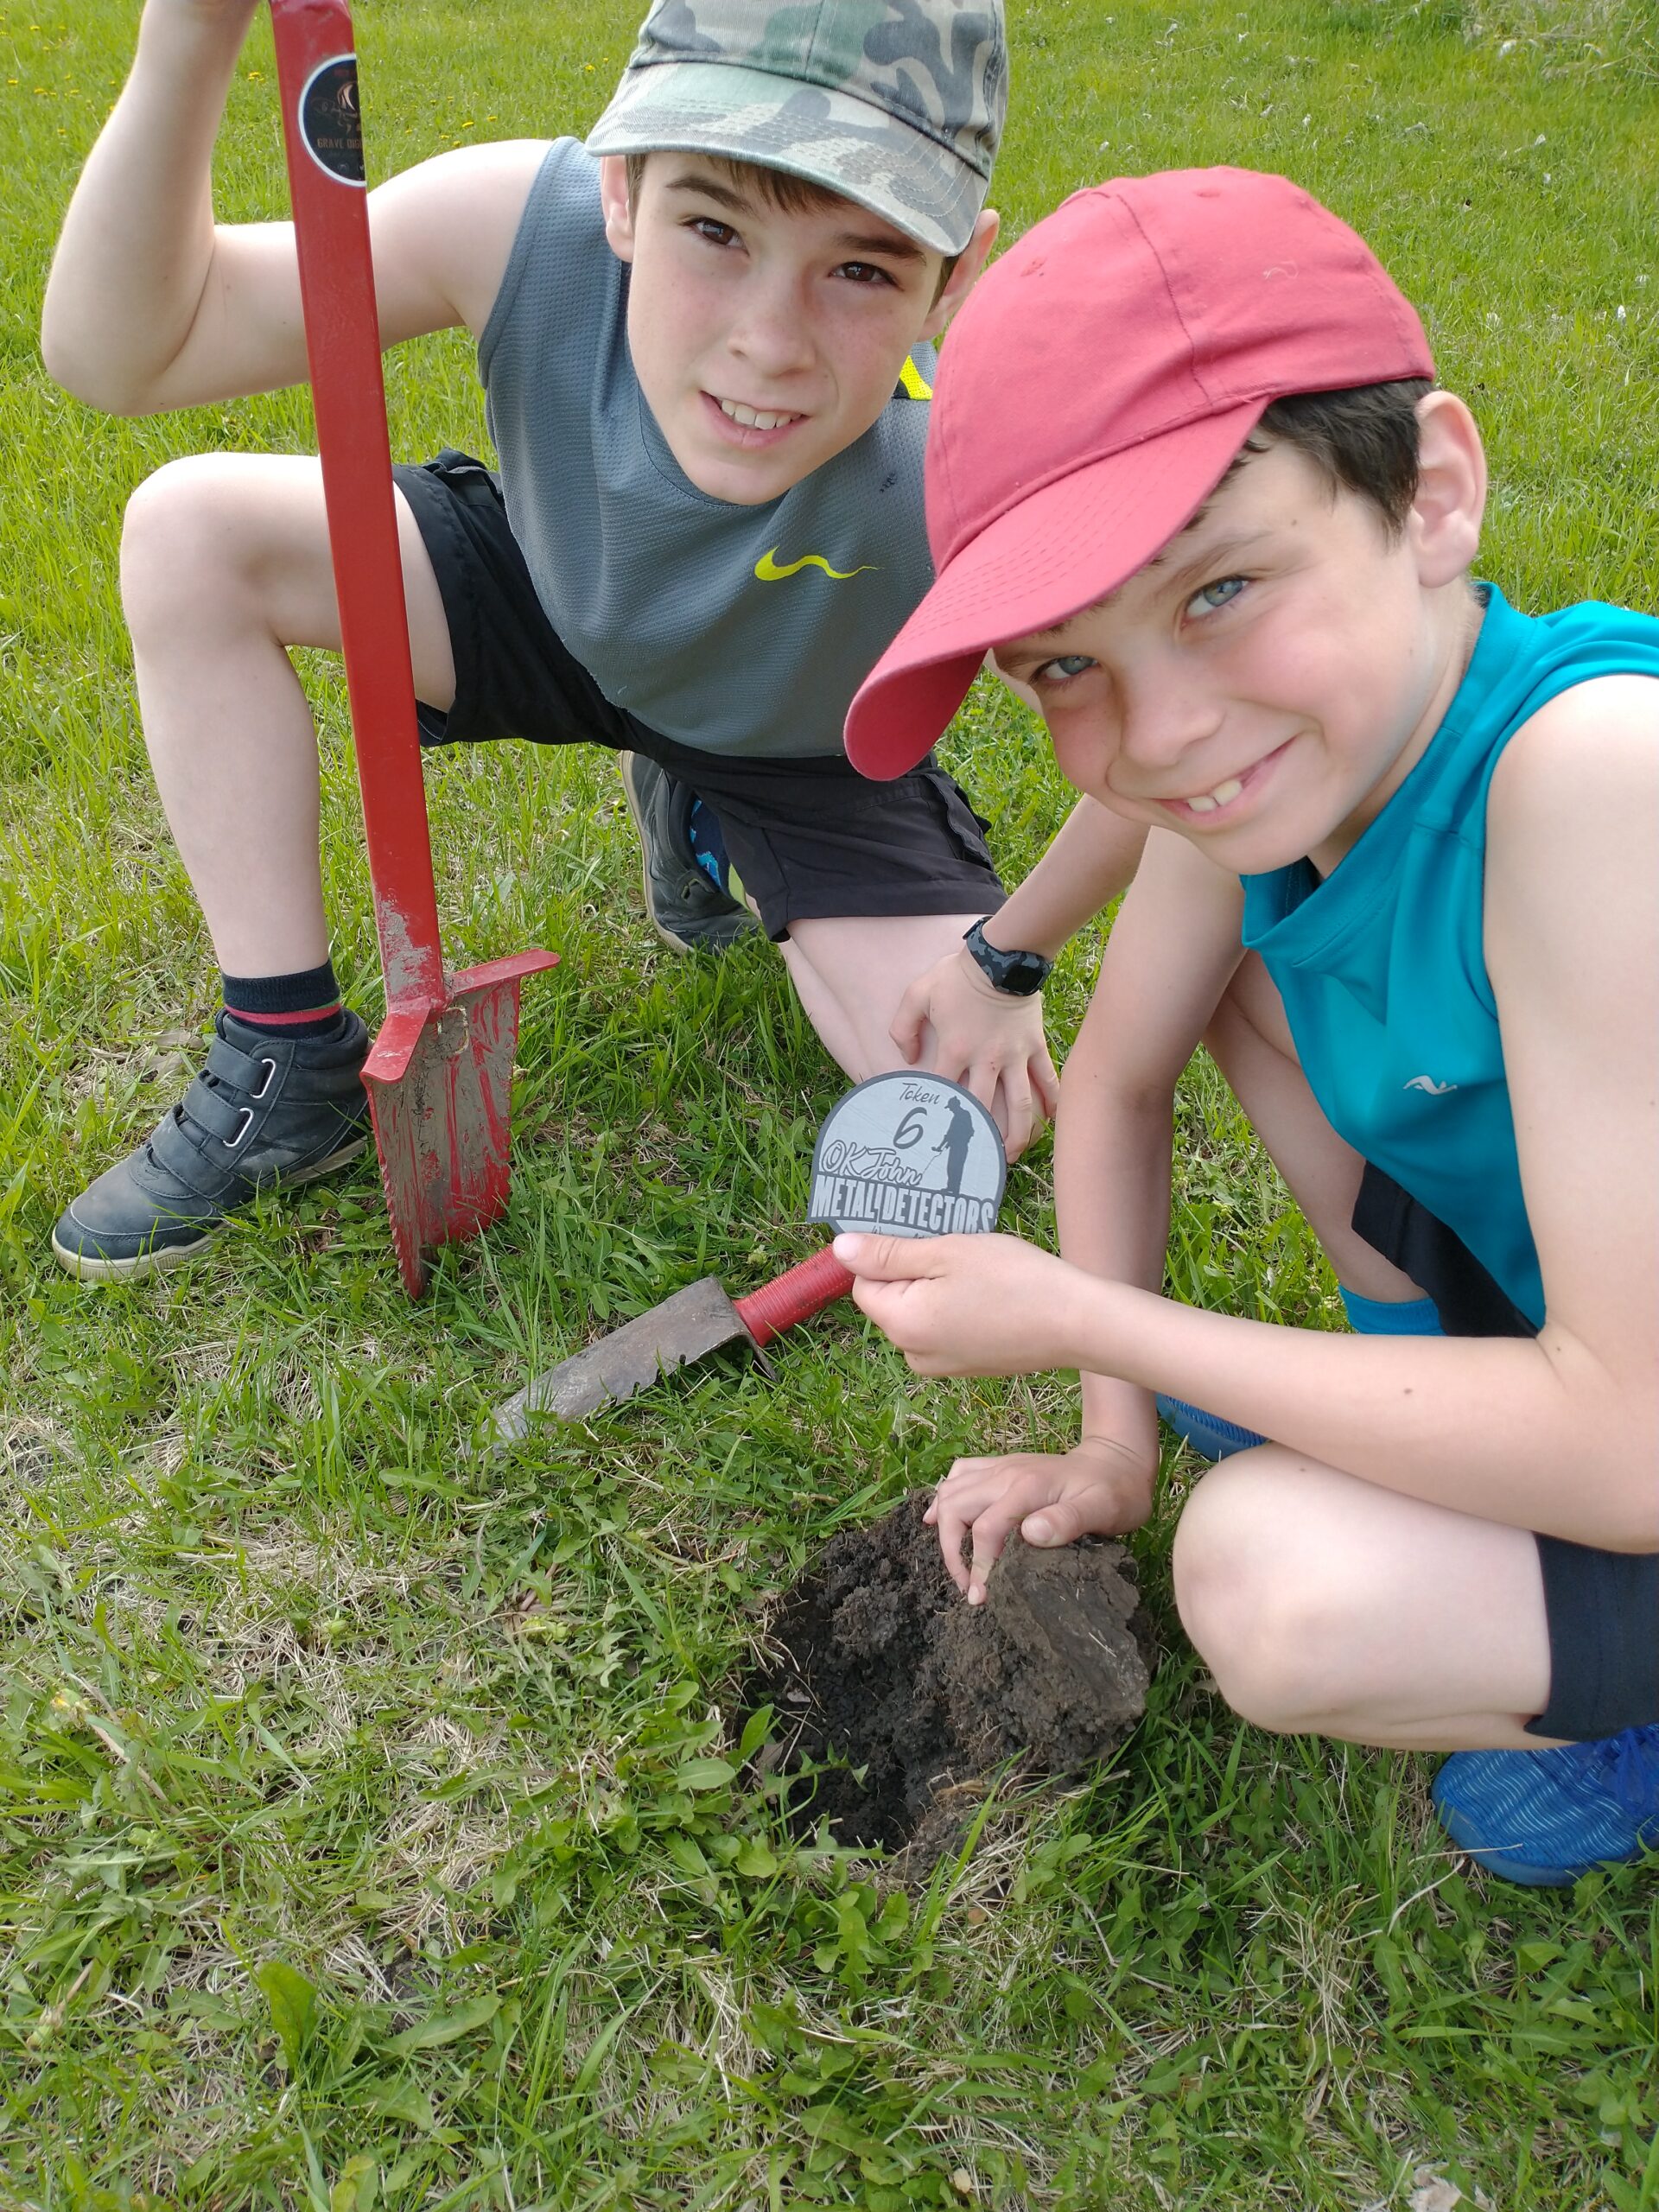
{"x": 909, "y": 1155}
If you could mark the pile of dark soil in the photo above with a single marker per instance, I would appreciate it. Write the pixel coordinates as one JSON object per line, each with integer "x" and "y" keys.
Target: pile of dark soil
{"x": 882, "y": 1662}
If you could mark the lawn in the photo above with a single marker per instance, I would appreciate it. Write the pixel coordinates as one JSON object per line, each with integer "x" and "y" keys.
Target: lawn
{"x": 371, "y": 1831}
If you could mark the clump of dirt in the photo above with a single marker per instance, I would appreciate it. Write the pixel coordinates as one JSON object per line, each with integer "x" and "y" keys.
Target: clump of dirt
{"x": 882, "y": 1663}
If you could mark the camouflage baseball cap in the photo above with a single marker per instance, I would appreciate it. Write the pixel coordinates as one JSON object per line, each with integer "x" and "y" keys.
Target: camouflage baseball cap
{"x": 896, "y": 104}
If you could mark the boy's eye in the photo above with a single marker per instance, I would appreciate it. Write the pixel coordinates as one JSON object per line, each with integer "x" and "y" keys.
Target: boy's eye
{"x": 864, "y": 272}
{"x": 710, "y": 227}
{"x": 1062, "y": 669}
{"x": 1208, "y": 597}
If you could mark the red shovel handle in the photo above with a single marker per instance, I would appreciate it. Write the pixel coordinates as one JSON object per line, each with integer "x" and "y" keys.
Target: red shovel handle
{"x": 322, "y": 135}
{"x": 796, "y": 1296}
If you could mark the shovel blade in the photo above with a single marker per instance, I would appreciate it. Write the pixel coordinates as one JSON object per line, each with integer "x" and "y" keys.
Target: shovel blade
{"x": 696, "y": 1321}
{"x": 439, "y": 1078}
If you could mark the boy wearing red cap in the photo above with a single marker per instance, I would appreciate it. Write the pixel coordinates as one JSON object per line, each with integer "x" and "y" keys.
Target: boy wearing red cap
{"x": 1188, "y": 477}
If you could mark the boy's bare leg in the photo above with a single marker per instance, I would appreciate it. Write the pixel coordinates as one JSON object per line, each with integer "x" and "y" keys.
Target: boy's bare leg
{"x": 1326, "y": 1605}
{"x": 224, "y": 563}
{"x": 1249, "y": 1040}
{"x": 850, "y": 975}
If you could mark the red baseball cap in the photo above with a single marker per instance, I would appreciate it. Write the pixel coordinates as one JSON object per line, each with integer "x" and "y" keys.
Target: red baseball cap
{"x": 1091, "y": 394}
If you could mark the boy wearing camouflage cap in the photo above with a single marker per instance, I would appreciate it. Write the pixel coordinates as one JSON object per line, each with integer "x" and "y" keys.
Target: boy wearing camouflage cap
{"x": 704, "y": 338}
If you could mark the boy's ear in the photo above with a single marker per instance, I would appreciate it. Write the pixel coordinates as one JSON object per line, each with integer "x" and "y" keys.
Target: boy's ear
{"x": 1446, "y": 514}
{"x": 618, "y": 204}
{"x": 970, "y": 262}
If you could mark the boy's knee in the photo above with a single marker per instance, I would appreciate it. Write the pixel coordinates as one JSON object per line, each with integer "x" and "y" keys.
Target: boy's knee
{"x": 1265, "y": 1616}
{"x": 182, "y": 540}
{"x": 166, "y": 527}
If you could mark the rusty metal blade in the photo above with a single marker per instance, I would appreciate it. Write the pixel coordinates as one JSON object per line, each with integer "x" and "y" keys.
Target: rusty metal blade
{"x": 439, "y": 1080}
{"x": 696, "y": 1320}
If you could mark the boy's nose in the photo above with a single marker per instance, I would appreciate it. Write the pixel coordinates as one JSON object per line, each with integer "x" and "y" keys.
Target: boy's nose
{"x": 1163, "y": 720}
{"x": 771, "y": 334}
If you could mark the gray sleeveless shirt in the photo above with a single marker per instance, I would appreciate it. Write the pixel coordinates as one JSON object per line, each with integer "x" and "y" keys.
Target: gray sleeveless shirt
{"x": 690, "y": 611}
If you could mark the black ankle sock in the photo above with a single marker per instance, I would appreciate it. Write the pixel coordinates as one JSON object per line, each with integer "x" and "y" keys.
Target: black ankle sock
{"x": 305, "y": 1004}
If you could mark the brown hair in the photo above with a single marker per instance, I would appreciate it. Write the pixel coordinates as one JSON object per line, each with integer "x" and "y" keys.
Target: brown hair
{"x": 1363, "y": 439}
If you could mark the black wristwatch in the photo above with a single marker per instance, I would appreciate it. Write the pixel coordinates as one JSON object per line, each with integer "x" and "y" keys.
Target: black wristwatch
{"x": 1019, "y": 973}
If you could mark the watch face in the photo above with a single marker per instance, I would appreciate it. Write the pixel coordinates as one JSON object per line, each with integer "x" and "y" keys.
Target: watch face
{"x": 910, "y": 1155}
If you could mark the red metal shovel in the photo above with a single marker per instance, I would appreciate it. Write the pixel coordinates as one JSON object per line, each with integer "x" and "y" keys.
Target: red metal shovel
{"x": 440, "y": 1073}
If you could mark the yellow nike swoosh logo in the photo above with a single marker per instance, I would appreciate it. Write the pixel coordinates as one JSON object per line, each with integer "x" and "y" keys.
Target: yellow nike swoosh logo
{"x": 912, "y": 383}
{"x": 767, "y": 570}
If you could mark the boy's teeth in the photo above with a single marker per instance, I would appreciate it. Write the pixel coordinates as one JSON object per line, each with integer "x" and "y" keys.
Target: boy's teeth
{"x": 751, "y": 418}
{"x": 1222, "y": 795}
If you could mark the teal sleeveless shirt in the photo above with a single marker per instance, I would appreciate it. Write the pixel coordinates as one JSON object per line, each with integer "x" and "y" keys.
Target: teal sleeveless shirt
{"x": 1381, "y": 965}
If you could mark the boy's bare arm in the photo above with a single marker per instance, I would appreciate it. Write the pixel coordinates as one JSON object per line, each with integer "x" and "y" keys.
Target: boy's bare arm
{"x": 1173, "y": 947}
{"x": 1172, "y": 950}
{"x": 152, "y": 305}
{"x": 1092, "y": 858}
{"x": 1572, "y": 922}
{"x": 955, "y": 1021}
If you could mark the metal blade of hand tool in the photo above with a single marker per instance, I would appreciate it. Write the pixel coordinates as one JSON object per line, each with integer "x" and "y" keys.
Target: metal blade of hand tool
{"x": 696, "y": 1321}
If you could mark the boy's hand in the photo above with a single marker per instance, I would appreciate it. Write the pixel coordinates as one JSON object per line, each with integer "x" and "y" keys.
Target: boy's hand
{"x": 951, "y": 1022}
{"x": 967, "y": 1305}
{"x": 1101, "y": 1488}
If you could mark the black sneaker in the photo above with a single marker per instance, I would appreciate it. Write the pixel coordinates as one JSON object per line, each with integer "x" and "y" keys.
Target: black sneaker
{"x": 687, "y": 910}
{"x": 266, "y": 1110}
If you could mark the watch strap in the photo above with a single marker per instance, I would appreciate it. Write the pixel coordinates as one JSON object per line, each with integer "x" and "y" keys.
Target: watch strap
{"x": 1020, "y": 974}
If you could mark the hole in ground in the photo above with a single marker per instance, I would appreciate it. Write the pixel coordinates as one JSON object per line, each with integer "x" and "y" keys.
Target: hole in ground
{"x": 878, "y": 1661}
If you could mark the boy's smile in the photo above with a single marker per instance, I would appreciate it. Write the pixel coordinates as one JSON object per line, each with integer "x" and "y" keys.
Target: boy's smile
{"x": 1267, "y": 681}
{"x": 766, "y": 341}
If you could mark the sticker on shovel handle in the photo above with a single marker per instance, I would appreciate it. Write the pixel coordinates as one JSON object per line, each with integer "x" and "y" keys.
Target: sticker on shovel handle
{"x": 330, "y": 122}
{"x": 909, "y": 1155}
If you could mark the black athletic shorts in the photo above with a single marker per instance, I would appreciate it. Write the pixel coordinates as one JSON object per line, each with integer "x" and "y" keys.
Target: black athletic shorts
{"x": 810, "y": 838}
{"x": 1603, "y": 1607}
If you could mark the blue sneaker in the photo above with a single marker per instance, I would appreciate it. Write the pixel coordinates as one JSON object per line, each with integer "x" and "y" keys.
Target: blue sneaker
{"x": 1543, "y": 1818}
{"x": 1207, "y": 1435}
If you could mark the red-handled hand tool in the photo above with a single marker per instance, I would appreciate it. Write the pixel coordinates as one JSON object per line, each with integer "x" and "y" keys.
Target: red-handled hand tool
{"x": 696, "y": 1321}
{"x": 440, "y": 1073}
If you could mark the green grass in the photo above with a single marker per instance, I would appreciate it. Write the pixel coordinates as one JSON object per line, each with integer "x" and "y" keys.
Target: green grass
{"x": 368, "y": 1832}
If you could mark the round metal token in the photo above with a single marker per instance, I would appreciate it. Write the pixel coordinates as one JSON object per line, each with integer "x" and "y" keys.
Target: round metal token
{"x": 910, "y": 1155}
